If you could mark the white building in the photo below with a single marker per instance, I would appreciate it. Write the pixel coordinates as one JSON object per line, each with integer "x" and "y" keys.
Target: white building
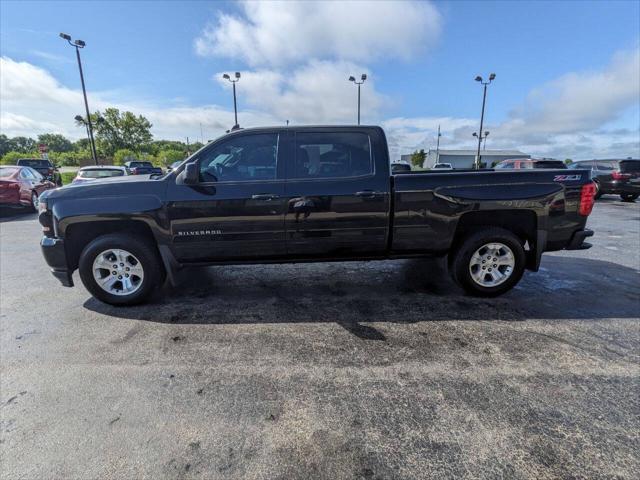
{"x": 466, "y": 158}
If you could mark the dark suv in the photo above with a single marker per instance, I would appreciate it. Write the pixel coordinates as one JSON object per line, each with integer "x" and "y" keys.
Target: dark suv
{"x": 44, "y": 167}
{"x": 617, "y": 177}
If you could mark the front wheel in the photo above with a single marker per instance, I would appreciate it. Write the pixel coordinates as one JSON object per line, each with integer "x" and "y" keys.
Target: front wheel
{"x": 629, "y": 197}
{"x": 120, "y": 269}
{"x": 489, "y": 262}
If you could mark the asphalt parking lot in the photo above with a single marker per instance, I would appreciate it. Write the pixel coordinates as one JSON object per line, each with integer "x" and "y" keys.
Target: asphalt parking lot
{"x": 346, "y": 370}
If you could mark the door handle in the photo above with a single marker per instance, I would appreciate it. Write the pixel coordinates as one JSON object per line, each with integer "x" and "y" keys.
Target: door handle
{"x": 265, "y": 196}
{"x": 368, "y": 194}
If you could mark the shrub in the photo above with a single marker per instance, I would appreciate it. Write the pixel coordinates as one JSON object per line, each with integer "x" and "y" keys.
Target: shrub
{"x": 124, "y": 155}
{"x": 10, "y": 158}
{"x": 167, "y": 157}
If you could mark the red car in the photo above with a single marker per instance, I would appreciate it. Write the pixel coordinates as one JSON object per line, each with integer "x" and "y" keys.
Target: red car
{"x": 21, "y": 186}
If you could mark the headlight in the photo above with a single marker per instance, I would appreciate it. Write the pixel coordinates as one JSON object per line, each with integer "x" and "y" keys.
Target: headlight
{"x": 42, "y": 206}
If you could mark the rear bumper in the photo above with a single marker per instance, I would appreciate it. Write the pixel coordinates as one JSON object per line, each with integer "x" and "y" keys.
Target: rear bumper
{"x": 617, "y": 187}
{"x": 577, "y": 240}
{"x": 56, "y": 257}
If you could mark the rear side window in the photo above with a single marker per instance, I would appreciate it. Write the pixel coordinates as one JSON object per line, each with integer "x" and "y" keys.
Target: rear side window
{"x": 100, "y": 173}
{"x": 7, "y": 171}
{"x": 332, "y": 155}
{"x": 605, "y": 166}
{"x": 505, "y": 165}
{"x": 550, "y": 164}
{"x": 33, "y": 163}
{"x": 241, "y": 158}
{"x": 630, "y": 166}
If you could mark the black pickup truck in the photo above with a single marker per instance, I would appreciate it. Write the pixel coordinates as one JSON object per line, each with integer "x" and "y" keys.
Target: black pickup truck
{"x": 277, "y": 195}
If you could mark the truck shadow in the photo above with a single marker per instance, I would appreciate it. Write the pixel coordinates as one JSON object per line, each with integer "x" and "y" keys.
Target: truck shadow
{"x": 16, "y": 214}
{"x": 404, "y": 291}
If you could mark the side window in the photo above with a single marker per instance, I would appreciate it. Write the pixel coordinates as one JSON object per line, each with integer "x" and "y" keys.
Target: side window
{"x": 526, "y": 165}
{"x": 27, "y": 175}
{"x": 331, "y": 155}
{"x": 241, "y": 158}
{"x": 604, "y": 166}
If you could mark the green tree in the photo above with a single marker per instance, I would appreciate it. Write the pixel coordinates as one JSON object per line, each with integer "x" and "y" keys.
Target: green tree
{"x": 23, "y": 144}
{"x": 568, "y": 161}
{"x": 167, "y": 157}
{"x": 124, "y": 155}
{"x": 5, "y": 144}
{"x": 55, "y": 142}
{"x": 417, "y": 158}
{"x": 82, "y": 145}
{"x": 117, "y": 130}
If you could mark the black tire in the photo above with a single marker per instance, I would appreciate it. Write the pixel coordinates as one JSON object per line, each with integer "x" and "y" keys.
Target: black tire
{"x": 34, "y": 201}
{"x": 461, "y": 259}
{"x": 629, "y": 197}
{"x": 598, "y": 190}
{"x": 143, "y": 250}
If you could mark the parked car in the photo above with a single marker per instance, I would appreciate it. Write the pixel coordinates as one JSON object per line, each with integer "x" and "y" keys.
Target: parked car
{"x": 617, "y": 177}
{"x": 398, "y": 167}
{"x": 530, "y": 163}
{"x": 142, "y": 168}
{"x": 298, "y": 194}
{"x": 22, "y": 186}
{"x": 442, "y": 166}
{"x": 44, "y": 167}
{"x": 96, "y": 172}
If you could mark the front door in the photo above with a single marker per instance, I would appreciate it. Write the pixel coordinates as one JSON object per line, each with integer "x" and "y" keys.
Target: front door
{"x": 336, "y": 204}
{"x": 236, "y": 212}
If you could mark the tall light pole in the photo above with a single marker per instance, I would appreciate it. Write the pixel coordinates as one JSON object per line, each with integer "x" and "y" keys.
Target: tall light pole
{"x": 362, "y": 79}
{"x": 235, "y": 107}
{"x": 484, "y": 99}
{"x": 78, "y": 44}
{"x": 486, "y": 134}
{"x": 438, "y": 146}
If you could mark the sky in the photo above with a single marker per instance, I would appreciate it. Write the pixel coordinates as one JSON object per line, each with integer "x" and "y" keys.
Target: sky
{"x": 567, "y": 73}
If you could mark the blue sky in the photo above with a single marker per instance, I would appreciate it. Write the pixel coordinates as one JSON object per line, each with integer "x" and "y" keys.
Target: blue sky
{"x": 421, "y": 59}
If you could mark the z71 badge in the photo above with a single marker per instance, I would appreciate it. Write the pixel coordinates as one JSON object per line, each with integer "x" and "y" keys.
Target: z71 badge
{"x": 567, "y": 178}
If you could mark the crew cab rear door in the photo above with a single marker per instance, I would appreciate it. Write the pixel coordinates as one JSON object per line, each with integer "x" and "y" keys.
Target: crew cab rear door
{"x": 337, "y": 200}
{"x": 236, "y": 211}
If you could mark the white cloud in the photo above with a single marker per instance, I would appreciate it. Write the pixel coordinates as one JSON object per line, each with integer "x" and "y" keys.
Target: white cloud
{"x": 317, "y": 92}
{"x": 578, "y": 102}
{"x": 280, "y": 33}
{"x": 32, "y": 102}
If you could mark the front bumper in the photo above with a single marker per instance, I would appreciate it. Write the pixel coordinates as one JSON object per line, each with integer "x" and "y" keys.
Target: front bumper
{"x": 56, "y": 257}
{"x": 577, "y": 240}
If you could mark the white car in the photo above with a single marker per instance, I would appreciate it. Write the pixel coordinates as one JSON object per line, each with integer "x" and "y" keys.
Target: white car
{"x": 95, "y": 172}
{"x": 442, "y": 166}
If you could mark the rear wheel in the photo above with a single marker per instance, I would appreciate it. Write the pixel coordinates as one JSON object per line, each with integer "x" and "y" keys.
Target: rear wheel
{"x": 120, "y": 269}
{"x": 489, "y": 262}
{"x": 629, "y": 197}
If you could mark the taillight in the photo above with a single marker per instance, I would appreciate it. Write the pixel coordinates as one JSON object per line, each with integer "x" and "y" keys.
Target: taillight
{"x": 620, "y": 176}
{"x": 587, "y": 198}
{"x": 51, "y": 171}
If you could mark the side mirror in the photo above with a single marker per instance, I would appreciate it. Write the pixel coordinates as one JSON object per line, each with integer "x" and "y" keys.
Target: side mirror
{"x": 191, "y": 173}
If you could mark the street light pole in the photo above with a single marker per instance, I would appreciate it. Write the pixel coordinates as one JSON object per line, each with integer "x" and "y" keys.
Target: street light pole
{"x": 362, "y": 78}
{"x": 484, "y": 99}
{"x": 235, "y": 107}
{"x": 438, "y": 146}
{"x": 78, "y": 44}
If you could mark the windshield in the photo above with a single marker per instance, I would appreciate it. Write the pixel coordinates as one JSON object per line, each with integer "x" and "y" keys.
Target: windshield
{"x": 7, "y": 171}
{"x": 100, "y": 173}
{"x": 140, "y": 164}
